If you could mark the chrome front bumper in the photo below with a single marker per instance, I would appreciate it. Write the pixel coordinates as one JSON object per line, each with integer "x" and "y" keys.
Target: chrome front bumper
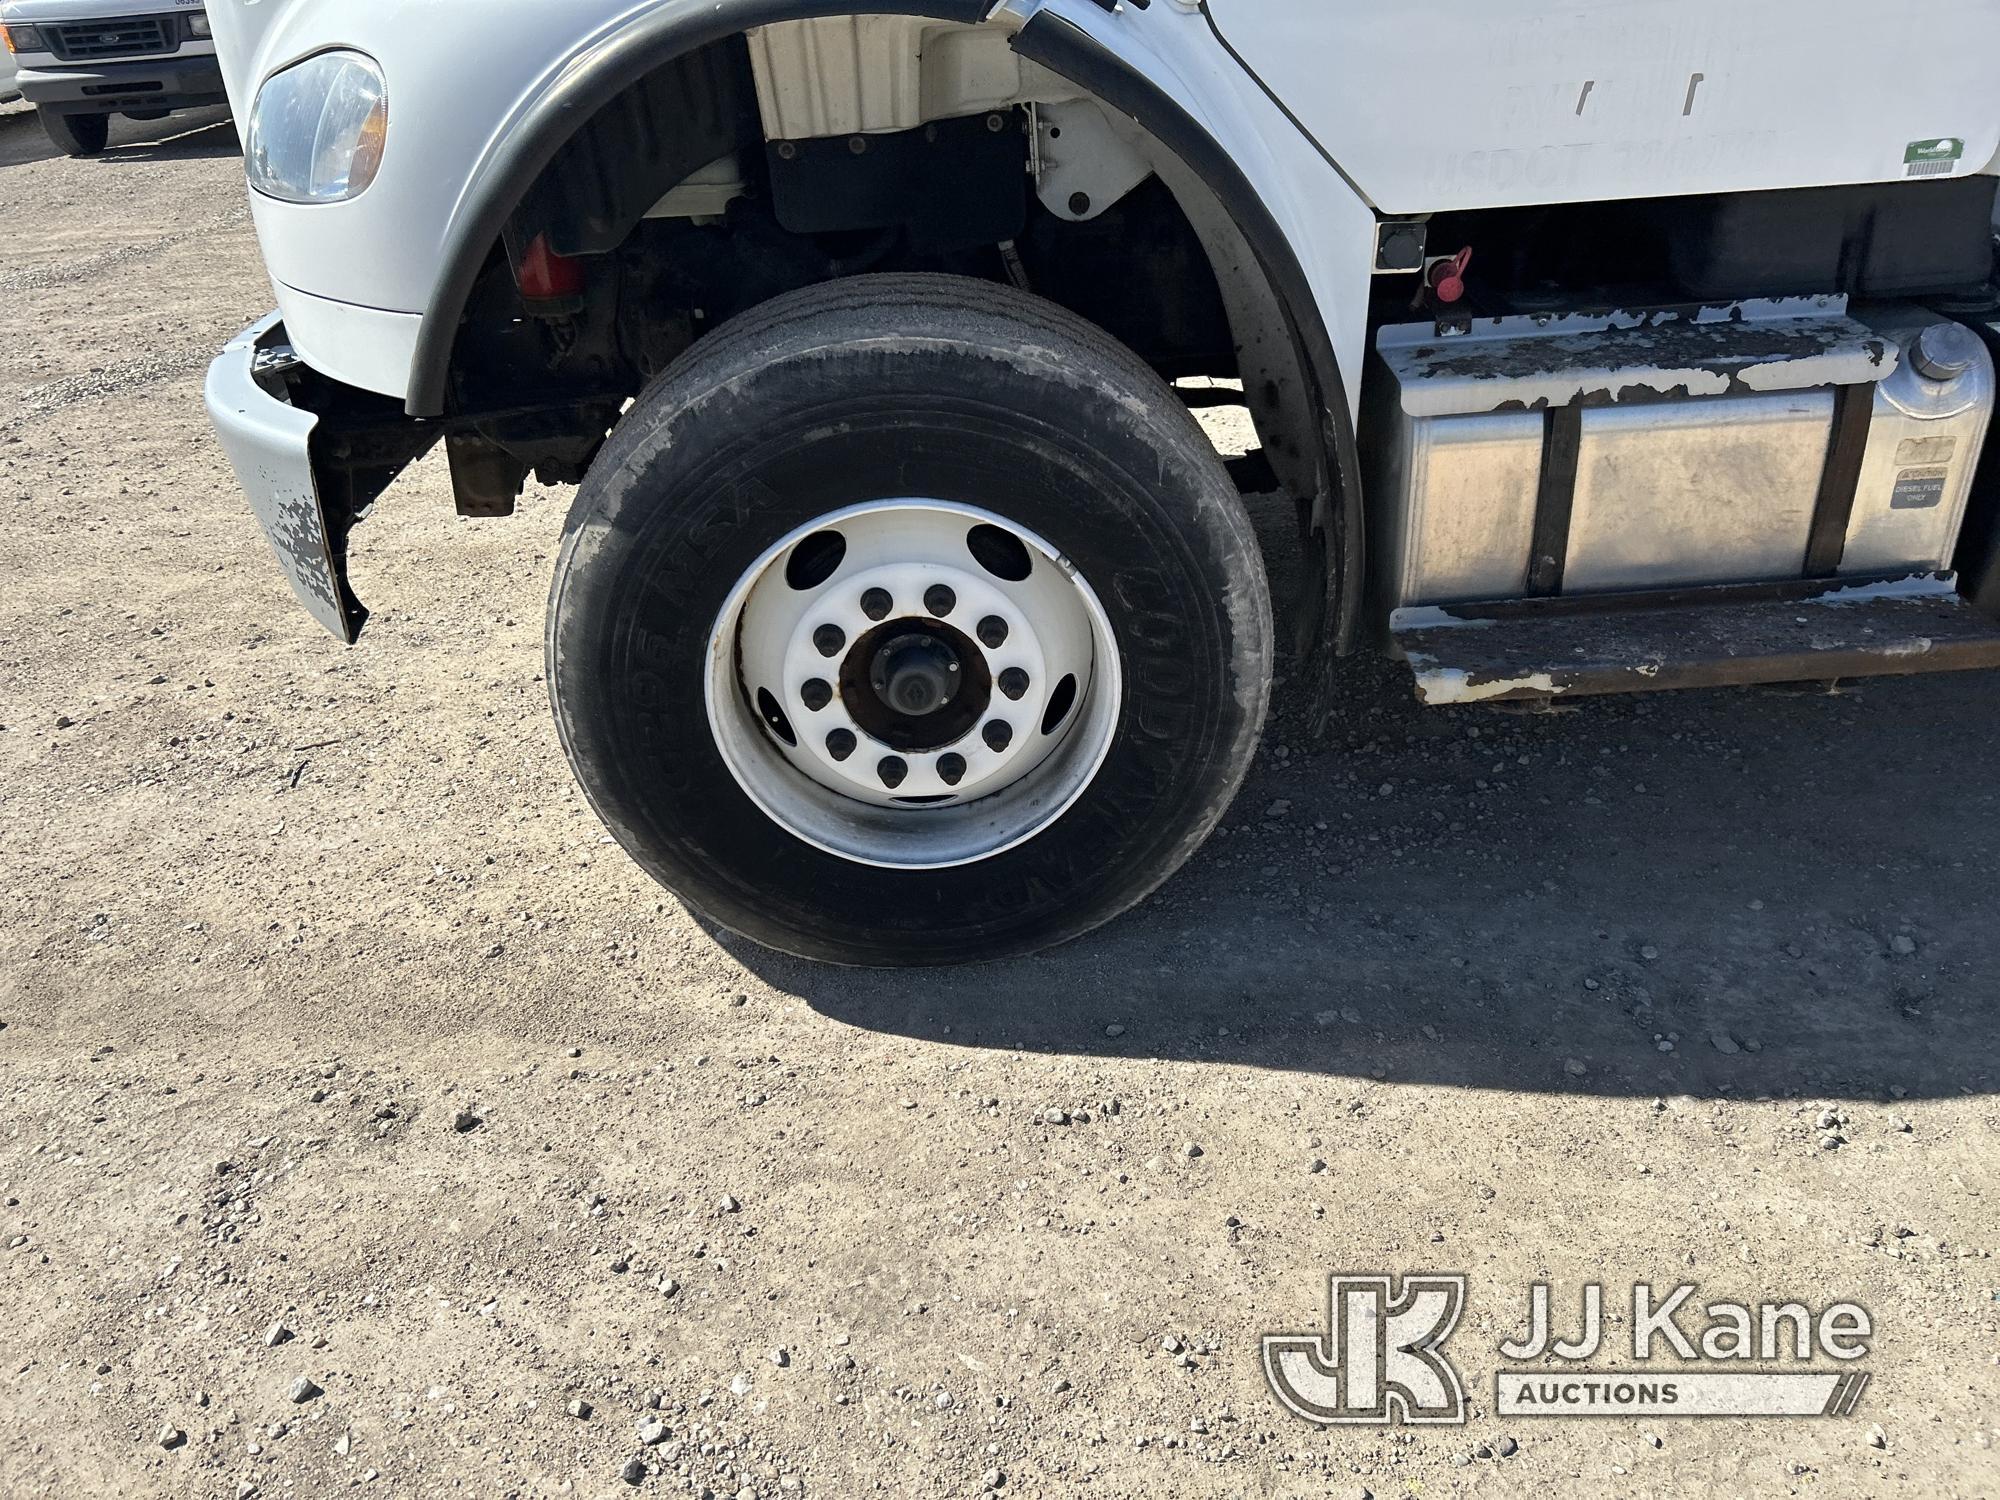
{"x": 268, "y": 441}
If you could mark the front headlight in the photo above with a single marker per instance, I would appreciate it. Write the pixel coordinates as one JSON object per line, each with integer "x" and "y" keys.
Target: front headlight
{"x": 317, "y": 129}
{"x": 196, "y": 24}
{"x": 24, "y": 38}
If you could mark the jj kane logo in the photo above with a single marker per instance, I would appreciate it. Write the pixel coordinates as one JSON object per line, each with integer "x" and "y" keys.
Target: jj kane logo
{"x": 1381, "y": 1358}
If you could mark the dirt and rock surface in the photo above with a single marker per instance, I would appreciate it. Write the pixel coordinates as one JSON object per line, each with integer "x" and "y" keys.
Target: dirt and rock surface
{"x": 369, "y": 1123}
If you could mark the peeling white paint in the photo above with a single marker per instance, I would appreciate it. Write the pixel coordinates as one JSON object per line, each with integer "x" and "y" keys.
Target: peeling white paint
{"x": 1556, "y": 325}
{"x": 1526, "y": 364}
{"x": 1434, "y": 617}
{"x": 1441, "y": 687}
{"x": 1928, "y": 586}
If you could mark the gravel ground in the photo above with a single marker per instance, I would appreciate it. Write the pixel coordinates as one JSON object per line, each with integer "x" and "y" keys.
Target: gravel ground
{"x": 341, "y": 1047}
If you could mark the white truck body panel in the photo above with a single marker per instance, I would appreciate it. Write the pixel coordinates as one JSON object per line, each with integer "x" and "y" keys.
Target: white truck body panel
{"x": 454, "y": 92}
{"x": 453, "y": 105}
{"x": 367, "y": 347}
{"x": 1791, "y": 92}
{"x": 1444, "y": 104}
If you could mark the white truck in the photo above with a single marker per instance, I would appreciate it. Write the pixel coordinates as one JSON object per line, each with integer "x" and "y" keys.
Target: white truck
{"x": 904, "y": 614}
{"x": 80, "y": 62}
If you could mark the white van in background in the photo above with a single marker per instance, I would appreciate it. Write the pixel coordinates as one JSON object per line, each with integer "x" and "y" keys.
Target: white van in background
{"x": 79, "y": 62}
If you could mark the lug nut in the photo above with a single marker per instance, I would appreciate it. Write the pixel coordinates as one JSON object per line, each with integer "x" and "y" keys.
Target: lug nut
{"x": 892, "y": 769}
{"x": 998, "y": 734}
{"x": 940, "y": 600}
{"x": 993, "y": 632}
{"x": 817, "y": 693}
{"x": 951, "y": 769}
{"x": 828, "y": 640}
{"x": 1013, "y": 682}
{"x": 840, "y": 743}
{"x": 876, "y": 604}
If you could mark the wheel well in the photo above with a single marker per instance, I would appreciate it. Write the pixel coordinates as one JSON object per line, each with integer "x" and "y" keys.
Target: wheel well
{"x": 593, "y": 281}
{"x": 953, "y": 195}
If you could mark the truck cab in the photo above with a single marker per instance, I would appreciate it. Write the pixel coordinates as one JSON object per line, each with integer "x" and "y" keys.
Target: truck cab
{"x": 904, "y": 612}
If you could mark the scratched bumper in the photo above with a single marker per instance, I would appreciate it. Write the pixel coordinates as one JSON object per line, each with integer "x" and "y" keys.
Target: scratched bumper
{"x": 268, "y": 441}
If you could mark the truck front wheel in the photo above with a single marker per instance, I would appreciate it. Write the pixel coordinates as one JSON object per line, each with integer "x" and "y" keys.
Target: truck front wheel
{"x": 76, "y": 135}
{"x": 909, "y": 620}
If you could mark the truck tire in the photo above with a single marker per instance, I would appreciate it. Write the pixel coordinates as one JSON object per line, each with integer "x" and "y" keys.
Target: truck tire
{"x": 909, "y": 620}
{"x": 76, "y": 135}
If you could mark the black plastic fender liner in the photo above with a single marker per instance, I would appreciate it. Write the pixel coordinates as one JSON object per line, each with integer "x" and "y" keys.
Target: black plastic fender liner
{"x": 1065, "y": 49}
{"x": 662, "y": 35}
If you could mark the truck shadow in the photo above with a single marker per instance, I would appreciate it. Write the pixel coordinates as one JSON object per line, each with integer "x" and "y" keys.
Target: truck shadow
{"x": 193, "y": 136}
{"x": 1730, "y": 894}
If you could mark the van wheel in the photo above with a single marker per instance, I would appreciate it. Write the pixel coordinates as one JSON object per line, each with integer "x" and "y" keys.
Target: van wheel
{"x": 909, "y": 620}
{"x": 76, "y": 135}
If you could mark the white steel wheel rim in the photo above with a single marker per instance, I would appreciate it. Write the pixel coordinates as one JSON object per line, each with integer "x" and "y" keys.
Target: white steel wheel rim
{"x": 960, "y": 796}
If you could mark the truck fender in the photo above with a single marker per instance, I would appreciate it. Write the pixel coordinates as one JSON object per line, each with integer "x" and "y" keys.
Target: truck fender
{"x": 1337, "y": 519}
{"x": 659, "y": 36}
{"x": 608, "y": 65}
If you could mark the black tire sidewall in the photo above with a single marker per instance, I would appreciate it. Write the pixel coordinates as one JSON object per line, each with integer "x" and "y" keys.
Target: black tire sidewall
{"x": 695, "y": 492}
{"x": 77, "y": 135}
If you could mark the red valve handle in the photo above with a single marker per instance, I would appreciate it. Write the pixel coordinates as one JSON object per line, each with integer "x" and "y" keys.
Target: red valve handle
{"x": 1448, "y": 277}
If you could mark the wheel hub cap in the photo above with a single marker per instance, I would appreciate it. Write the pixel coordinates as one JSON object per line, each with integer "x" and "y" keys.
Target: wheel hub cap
{"x": 916, "y": 674}
{"x": 913, "y": 683}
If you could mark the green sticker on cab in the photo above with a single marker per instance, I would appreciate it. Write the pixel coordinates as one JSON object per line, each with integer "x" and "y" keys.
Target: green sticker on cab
{"x": 1933, "y": 158}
